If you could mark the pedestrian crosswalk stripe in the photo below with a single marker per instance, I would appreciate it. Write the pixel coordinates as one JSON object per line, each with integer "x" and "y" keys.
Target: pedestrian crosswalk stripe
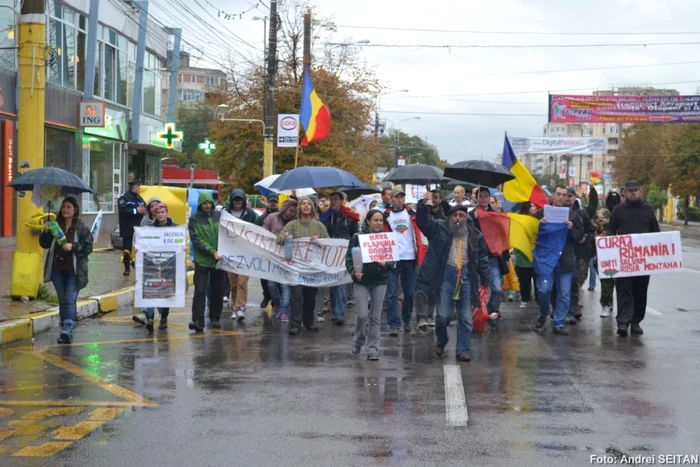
{"x": 455, "y": 402}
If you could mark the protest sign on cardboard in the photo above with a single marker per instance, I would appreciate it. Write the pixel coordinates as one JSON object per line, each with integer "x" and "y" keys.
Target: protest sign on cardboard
{"x": 639, "y": 254}
{"x": 382, "y": 246}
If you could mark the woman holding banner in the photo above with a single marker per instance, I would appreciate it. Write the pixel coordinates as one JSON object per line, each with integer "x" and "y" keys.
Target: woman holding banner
{"x": 369, "y": 287}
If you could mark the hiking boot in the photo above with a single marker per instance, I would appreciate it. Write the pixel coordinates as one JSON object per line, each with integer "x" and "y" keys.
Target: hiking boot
{"x": 163, "y": 322}
{"x": 622, "y": 329}
{"x": 394, "y": 332}
{"x": 561, "y": 331}
{"x": 294, "y": 331}
{"x": 464, "y": 357}
{"x": 539, "y": 324}
{"x": 606, "y": 311}
{"x": 196, "y": 326}
{"x": 570, "y": 320}
{"x": 422, "y": 324}
{"x": 264, "y": 303}
{"x": 149, "y": 326}
{"x": 637, "y": 329}
{"x": 140, "y": 318}
{"x": 216, "y": 324}
{"x": 439, "y": 351}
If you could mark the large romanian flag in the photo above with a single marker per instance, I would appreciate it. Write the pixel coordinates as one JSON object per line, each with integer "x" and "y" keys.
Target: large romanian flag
{"x": 314, "y": 115}
{"x": 523, "y": 187}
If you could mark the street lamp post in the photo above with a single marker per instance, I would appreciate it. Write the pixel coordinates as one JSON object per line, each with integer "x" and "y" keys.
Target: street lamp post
{"x": 264, "y": 20}
{"x": 398, "y": 137}
{"x": 379, "y": 107}
{"x": 223, "y": 108}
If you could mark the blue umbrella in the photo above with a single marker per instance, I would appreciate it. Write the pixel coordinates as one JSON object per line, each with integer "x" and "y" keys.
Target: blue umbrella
{"x": 69, "y": 183}
{"x": 315, "y": 177}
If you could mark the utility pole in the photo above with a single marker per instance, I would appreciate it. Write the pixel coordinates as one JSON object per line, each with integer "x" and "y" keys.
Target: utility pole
{"x": 27, "y": 270}
{"x": 307, "y": 38}
{"x": 270, "y": 78}
{"x": 376, "y": 124}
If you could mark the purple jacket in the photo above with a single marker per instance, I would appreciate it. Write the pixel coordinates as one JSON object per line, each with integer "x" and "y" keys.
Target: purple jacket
{"x": 274, "y": 223}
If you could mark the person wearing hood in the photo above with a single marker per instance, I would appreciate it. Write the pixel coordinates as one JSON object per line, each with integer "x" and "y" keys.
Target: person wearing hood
{"x": 634, "y": 216}
{"x": 281, "y": 293}
{"x": 369, "y": 288}
{"x": 203, "y": 227}
{"x": 237, "y": 206}
{"x": 582, "y": 252}
{"x": 601, "y": 220}
{"x": 303, "y": 297}
{"x": 159, "y": 218}
{"x": 456, "y": 263}
{"x": 132, "y": 208}
{"x": 341, "y": 223}
{"x": 150, "y": 211}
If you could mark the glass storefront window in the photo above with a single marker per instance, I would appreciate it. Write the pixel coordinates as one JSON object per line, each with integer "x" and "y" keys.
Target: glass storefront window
{"x": 109, "y": 72}
{"x": 149, "y": 92}
{"x": 59, "y": 147}
{"x": 122, "y": 76}
{"x": 103, "y": 173}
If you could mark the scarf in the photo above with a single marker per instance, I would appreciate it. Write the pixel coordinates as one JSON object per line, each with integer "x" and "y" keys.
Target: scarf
{"x": 343, "y": 211}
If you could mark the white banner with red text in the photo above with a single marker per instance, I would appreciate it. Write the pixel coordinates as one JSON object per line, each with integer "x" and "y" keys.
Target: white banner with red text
{"x": 252, "y": 251}
{"x": 639, "y": 254}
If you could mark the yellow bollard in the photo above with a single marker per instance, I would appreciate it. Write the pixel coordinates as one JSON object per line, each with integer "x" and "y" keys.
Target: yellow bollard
{"x": 27, "y": 268}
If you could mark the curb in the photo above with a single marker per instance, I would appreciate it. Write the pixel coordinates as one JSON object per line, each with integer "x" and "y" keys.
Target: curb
{"x": 691, "y": 233}
{"x": 35, "y": 323}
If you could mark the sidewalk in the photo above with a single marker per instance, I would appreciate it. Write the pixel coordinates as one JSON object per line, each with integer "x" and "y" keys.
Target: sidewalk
{"x": 692, "y": 230}
{"x": 105, "y": 275}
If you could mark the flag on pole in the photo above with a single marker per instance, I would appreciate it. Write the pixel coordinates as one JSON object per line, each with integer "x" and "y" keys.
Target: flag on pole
{"x": 523, "y": 187}
{"x": 314, "y": 114}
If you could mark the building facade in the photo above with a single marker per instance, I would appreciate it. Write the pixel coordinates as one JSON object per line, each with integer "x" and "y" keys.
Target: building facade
{"x": 105, "y": 157}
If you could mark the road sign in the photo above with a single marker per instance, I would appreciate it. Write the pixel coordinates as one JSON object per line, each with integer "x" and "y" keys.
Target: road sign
{"x": 607, "y": 176}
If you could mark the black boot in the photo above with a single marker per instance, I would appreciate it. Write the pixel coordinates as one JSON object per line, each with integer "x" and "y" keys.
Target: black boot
{"x": 163, "y": 321}
{"x": 126, "y": 259}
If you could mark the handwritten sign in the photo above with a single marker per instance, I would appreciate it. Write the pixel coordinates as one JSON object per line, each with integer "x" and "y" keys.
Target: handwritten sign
{"x": 379, "y": 247}
{"x": 252, "y": 251}
{"x": 639, "y": 254}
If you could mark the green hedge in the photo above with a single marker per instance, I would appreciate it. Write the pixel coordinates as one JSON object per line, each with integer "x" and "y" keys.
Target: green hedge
{"x": 693, "y": 214}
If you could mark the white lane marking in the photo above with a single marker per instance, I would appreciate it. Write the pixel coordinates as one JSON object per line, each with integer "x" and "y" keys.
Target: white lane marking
{"x": 455, "y": 402}
{"x": 653, "y": 311}
{"x": 691, "y": 270}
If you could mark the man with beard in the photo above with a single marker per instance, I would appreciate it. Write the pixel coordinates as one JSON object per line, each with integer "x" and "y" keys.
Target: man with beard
{"x": 455, "y": 264}
{"x": 425, "y": 301}
{"x": 634, "y": 216}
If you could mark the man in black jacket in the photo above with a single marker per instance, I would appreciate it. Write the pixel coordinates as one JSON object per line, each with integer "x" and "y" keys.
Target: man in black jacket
{"x": 131, "y": 211}
{"x": 564, "y": 270}
{"x": 634, "y": 216}
{"x": 237, "y": 206}
{"x": 580, "y": 250}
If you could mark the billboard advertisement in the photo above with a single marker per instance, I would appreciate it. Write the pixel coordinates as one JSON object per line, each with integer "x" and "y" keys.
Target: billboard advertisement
{"x": 537, "y": 145}
{"x": 623, "y": 109}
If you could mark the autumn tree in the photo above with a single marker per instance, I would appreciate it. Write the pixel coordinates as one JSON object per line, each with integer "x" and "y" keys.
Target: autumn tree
{"x": 642, "y": 155}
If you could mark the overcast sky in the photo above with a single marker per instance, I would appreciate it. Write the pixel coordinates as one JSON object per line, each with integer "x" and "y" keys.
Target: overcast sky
{"x": 477, "y": 80}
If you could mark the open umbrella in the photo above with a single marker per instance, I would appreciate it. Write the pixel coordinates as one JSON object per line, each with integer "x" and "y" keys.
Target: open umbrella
{"x": 479, "y": 172}
{"x": 315, "y": 177}
{"x": 415, "y": 174}
{"x": 48, "y": 184}
{"x": 355, "y": 191}
{"x": 263, "y": 186}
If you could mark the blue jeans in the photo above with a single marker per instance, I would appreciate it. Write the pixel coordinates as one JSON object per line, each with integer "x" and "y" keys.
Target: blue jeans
{"x": 151, "y": 312}
{"x": 544, "y": 291}
{"x": 65, "y": 284}
{"x": 496, "y": 285}
{"x": 281, "y": 295}
{"x": 446, "y": 308}
{"x": 406, "y": 270}
{"x": 591, "y": 273}
{"x": 339, "y": 300}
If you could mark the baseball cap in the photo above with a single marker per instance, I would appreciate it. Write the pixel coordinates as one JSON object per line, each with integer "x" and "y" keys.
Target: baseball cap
{"x": 632, "y": 185}
{"x": 571, "y": 191}
{"x": 272, "y": 198}
{"x": 398, "y": 191}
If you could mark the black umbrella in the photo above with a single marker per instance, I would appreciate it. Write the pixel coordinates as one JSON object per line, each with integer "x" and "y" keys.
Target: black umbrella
{"x": 479, "y": 172}
{"x": 356, "y": 191}
{"x": 69, "y": 183}
{"x": 415, "y": 174}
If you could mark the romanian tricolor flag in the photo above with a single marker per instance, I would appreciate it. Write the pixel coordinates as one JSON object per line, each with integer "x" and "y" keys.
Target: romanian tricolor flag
{"x": 315, "y": 116}
{"x": 523, "y": 187}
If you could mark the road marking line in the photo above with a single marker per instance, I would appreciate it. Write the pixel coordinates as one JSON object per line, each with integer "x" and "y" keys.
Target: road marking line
{"x": 55, "y": 412}
{"x": 691, "y": 270}
{"x": 105, "y": 414}
{"x": 27, "y": 388}
{"x": 5, "y": 412}
{"x": 4, "y": 448}
{"x": 77, "y": 431}
{"x": 45, "y": 450}
{"x": 653, "y": 311}
{"x": 147, "y": 403}
{"x": 455, "y": 402}
{"x": 118, "y": 391}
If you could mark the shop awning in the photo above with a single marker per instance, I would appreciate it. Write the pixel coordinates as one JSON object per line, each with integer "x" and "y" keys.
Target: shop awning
{"x": 147, "y": 147}
{"x": 183, "y": 181}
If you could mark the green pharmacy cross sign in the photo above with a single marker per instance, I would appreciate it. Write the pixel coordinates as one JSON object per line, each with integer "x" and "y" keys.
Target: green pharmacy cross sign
{"x": 207, "y": 147}
{"x": 169, "y": 135}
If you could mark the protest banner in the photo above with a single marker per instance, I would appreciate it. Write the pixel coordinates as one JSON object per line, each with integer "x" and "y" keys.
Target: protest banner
{"x": 379, "y": 247}
{"x": 160, "y": 267}
{"x": 252, "y": 251}
{"x": 639, "y": 254}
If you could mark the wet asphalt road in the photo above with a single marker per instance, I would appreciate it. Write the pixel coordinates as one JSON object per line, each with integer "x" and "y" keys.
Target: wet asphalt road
{"x": 251, "y": 395}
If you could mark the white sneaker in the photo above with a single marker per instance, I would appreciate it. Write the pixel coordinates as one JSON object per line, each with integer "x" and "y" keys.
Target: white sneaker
{"x": 241, "y": 313}
{"x": 524, "y": 304}
{"x": 234, "y": 315}
{"x": 606, "y": 311}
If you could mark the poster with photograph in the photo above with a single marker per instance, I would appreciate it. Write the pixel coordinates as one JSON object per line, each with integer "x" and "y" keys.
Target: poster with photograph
{"x": 160, "y": 267}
